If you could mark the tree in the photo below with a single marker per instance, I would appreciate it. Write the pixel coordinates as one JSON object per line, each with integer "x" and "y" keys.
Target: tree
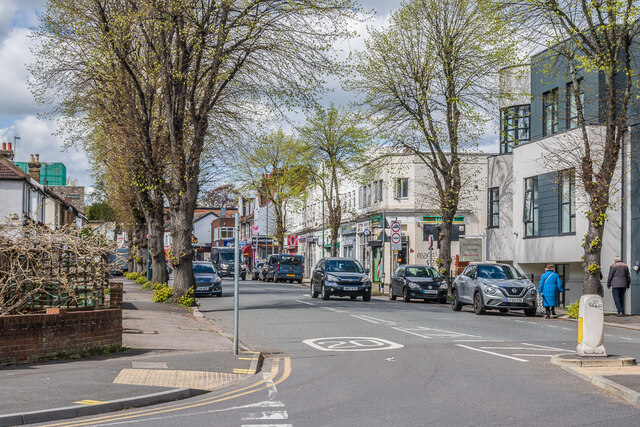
{"x": 222, "y": 196}
{"x": 428, "y": 80}
{"x": 273, "y": 166}
{"x": 100, "y": 211}
{"x": 588, "y": 37}
{"x": 337, "y": 149}
{"x": 216, "y": 60}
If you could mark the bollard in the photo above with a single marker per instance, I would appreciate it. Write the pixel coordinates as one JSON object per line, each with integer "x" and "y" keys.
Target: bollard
{"x": 591, "y": 326}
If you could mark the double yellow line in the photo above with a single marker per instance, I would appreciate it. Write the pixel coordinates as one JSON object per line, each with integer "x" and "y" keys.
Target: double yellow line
{"x": 262, "y": 384}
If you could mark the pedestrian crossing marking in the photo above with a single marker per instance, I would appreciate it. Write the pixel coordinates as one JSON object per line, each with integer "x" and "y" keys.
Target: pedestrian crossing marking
{"x": 90, "y": 402}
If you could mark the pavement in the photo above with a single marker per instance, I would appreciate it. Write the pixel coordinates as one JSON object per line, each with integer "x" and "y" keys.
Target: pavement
{"x": 171, "y": 353}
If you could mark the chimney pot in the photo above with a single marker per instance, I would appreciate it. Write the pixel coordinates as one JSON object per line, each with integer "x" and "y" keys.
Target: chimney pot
{"x": 37, "y": 157}
{"x": 4, "y": 146}
{"x": 31, "y": 158}
{"x": 9, "y": 146}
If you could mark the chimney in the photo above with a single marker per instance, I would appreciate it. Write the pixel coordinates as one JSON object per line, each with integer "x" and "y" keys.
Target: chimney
{"x": 7, "y": 151}
{"x": 34, "y": 167}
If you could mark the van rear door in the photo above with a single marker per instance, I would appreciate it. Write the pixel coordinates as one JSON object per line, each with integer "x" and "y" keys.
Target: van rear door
{"x": 290, "y": 264}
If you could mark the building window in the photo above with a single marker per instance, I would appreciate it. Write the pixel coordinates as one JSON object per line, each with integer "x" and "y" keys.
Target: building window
{"x": 493, "y": 204}
{"x": 514, "y": 127}
{"x": 377, "y": 191}
{"x": 572, "y": 106}
{"x": 226, "y": 233}
{"x": 402, "y": 188}
{"x": 567, "y": 202}
{"x": 531, "y": 206}
{"x": 550, "y": 112}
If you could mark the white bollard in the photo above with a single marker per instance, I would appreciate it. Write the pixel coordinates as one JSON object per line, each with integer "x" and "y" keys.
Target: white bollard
{"x": 591, "y": 327}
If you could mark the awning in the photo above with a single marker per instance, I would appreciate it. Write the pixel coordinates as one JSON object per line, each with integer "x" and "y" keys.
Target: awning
{"x": 247, "y": 251}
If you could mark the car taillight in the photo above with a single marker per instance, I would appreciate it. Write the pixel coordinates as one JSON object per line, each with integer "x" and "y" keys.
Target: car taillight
{"x": 278, "y": 266}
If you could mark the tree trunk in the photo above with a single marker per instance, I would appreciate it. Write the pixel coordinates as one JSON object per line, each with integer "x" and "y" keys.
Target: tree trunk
{"x": 593, "y": 254}
{"x": 280, "y": 226}
{"x": 159, "y": 272}
{"x": 444, "y": 256}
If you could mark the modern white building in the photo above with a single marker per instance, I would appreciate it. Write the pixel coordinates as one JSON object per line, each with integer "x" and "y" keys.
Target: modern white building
{"x": 536, "y": 206}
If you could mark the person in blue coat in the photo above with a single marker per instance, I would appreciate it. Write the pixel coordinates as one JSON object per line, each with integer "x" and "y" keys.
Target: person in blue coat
{"x": 550, "y": 285}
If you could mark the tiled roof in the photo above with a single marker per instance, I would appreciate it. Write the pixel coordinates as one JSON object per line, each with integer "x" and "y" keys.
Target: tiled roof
{"x": 10, "y": 171}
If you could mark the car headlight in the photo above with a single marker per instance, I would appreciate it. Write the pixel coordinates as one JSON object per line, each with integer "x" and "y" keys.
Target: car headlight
{"x": 413, "y": 285}
{"x": 491, "y": 290}
{"x": 224, "y": 265}
{"x": 364, "y": 278}
{"x": 331, "y": 278}
{"x": 532, "y": 290}
{"x": 444, "y": 285}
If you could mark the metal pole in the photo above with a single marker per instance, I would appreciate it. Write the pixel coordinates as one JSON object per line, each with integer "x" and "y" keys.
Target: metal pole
{"x": 148, "y": 260}
{"x": 384, "y": 238}
{"x": 323, "y": 247}
{"x": 236, "y": 282}
{"x": 266, "y": 245}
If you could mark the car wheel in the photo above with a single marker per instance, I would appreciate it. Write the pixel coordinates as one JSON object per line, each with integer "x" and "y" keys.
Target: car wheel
{"x": 443, "y": 300}
{"x": 530, "y": 312}
{"x": 366, "y": 297}
{"x": 243, "y": 277}
{"x": 323, "y": 291}
{"x": 313, "y": 293}
{"x": 504, "y": 310}
{"x": 405, "y": 295}
{"x": 478, "y": 304}
{"x": 456, "y": 305}
{"x": 392, "y": 297}
{"x": 300, "y": 282}
{"x": 353, "y": 297}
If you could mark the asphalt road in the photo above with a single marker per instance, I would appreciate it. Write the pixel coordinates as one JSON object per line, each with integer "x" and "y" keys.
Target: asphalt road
{"x": 380, "y": 363}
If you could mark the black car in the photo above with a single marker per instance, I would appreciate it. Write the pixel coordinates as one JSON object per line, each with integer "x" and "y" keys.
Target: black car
{"x": 255, "y": 274}
{"x": 418, "y": 282}
{"x": 343, "y": 277}
{"x": 207, "y": 280}
{"x": 223, "y": 259}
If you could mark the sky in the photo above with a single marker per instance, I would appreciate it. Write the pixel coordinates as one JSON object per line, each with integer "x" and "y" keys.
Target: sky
{"x": 21, "y": 116}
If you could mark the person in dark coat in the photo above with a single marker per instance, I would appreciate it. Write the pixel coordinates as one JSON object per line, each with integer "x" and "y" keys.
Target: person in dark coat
{"x": 618, "y": 281}
{"x": 549, "y": 286}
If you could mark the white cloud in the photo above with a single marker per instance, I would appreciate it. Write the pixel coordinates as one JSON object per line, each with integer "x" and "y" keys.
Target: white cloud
{"x": 39, "y": 137}
{"x": 15, "y": 97}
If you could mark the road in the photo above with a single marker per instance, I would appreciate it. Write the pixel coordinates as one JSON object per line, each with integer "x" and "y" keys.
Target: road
{"x": 380, "y": 363}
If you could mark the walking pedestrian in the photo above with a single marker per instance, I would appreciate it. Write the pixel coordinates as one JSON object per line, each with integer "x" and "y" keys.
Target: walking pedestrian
{"x": 549, "y": 284}
{"x": 618, "y": 281}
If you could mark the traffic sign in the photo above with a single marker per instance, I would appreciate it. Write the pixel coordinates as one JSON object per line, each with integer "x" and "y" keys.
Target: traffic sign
{"x": 396, "y": 238}
{"x": 395, "y": 226}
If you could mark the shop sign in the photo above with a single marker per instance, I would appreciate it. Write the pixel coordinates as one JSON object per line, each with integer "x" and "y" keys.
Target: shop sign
{"x": 437, "y": 219}
{"x": 471, "y": 249}
{"x": 362, "y": 226}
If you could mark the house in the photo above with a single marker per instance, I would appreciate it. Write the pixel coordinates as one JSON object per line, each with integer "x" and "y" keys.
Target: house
{"x": 536, "y": 210}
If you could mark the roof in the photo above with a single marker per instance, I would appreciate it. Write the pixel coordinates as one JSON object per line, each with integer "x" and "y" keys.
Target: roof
{"x": 199, "y": 215}
{"x": 10, "y": 171}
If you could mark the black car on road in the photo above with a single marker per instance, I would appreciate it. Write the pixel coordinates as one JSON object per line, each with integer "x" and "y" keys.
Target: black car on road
{"x": 418, "y": 282}
{"x": 343, "y": 277}
{"x": 257, "y": 270}
{"x": 207, "y": 280}
{"x": 223, "y": 259}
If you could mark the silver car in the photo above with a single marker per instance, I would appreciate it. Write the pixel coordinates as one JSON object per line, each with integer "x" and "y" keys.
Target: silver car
{"x": 489, "y": 286}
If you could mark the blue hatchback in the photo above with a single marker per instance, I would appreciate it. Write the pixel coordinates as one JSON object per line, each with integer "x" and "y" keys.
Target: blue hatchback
{"x": 286, "y": 268}
{"x": 207, "y": 280}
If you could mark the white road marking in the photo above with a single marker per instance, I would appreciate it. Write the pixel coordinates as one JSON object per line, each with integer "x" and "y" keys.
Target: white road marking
{"x": 364, "y": 318}
{"x": 515, "y": 348}
{"x": 304, "y": 302}
{"x": 551, "y": 326}
{"x": 492, "y": 353}
{"x": 335, "y": 310}
{"x": 567, "y": 329}
{"x": 267, "y": 415}
{"x": 351, "y": 344}
{"x": 478, "y": 341}
{"x": 429, "y": 333}
{"x": 625, "y": 338}
{"x": 534, "y": 355}
{"x": 267, "y": 425}
{"x": 546, "y": 347}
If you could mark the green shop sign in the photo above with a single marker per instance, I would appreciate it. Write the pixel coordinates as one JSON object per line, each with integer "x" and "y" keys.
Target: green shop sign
{"x": 437, "y": 219}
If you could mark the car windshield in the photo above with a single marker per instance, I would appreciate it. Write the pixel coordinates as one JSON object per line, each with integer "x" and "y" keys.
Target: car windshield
{"x": 203, "y": 268}
{"x": 344, "y": 266}
{"x": 290, "y": 260}
{"x": 498, "y": 272}
{"x": 421, "y": 272}
{"x": 227, "y": 257}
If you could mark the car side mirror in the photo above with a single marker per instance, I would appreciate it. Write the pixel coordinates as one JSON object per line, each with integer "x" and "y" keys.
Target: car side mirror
{"x": 367, "y": 271}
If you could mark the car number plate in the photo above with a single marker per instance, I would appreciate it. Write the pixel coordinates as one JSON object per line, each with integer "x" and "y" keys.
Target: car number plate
{"x": 430, "y": 291}
{"x": 350, "y": 288}
{"x": 200, "y": 288}
{"x": 515, "y": 299}
{"x": 291, "y": 275}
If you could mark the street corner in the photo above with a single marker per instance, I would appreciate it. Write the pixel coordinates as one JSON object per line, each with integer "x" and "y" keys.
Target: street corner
{"x": 254, "y": 360}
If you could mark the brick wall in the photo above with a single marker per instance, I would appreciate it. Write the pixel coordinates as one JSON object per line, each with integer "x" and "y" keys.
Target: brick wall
{"x": 32, "y": 337}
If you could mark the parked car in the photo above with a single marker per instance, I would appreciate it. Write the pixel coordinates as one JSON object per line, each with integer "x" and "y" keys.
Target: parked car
{"x": 489, "y": 286}
{"x": 208, "y": 281}
{"x": 419, "y": 282}
{"x": 340, "y": 277}
{"x": 255, "y": 274}
{"x": 118, "y": 261}
{"x": 223, "y": 259}
{"x": 284, "y": 267}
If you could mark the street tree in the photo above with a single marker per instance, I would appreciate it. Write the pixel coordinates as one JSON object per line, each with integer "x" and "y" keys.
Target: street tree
{"x": 222, "y": 196}
{"x": 273, "y": 166}
{"x": 428, "y": 81}
{"x": 584, "y": 37}
{"x": 338, "y": 149}
{"x": 215, "y": 62}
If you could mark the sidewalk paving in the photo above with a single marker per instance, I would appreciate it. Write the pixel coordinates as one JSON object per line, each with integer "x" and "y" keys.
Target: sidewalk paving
{"x": 172, "y": 354}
